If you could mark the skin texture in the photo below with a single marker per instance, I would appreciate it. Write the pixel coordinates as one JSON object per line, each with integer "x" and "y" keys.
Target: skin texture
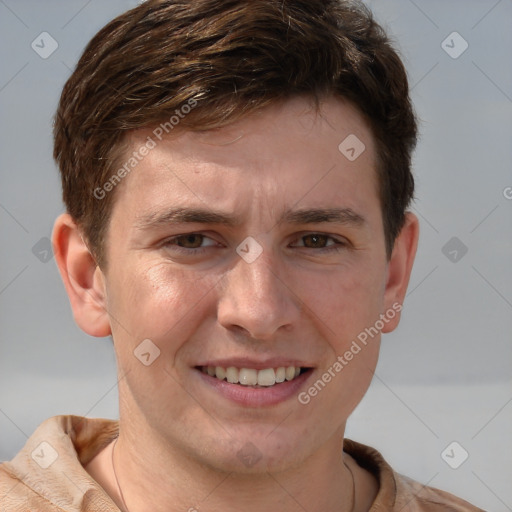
{"x": 298, "y": 301}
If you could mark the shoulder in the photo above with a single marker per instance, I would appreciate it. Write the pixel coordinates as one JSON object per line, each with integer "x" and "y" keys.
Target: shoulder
{"x": 47, "y": 474}
{"x": 399, "y": 493}
{"x": 415, "y": 497}
{"x": 24, "y": 492}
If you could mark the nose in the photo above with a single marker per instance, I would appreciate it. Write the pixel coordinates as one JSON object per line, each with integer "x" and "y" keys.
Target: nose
{"x": 257, "y": 300}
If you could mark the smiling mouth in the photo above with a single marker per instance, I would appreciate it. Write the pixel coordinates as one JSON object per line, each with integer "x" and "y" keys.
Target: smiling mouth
{"x": 251, "y": 377}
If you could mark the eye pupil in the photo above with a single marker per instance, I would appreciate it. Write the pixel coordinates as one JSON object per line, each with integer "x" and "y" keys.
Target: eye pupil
{"x": 190, "y": 241}
{"x": 315, "y": 241}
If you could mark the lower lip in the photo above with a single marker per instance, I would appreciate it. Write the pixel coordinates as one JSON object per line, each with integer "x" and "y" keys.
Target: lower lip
{"x": 257, "y": 397}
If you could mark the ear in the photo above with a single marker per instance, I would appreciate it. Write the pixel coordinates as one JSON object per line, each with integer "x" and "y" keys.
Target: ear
{"x": 83, "y": 278}
{"x": 399, "y": 269}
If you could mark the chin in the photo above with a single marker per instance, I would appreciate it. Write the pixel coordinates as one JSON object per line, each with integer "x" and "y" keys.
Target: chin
{"x": 256, "y": 454}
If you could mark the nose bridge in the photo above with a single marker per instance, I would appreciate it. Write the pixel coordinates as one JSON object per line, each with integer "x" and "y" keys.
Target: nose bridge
{"x": 255, "y": 299}
{"x": 256, "y": 285}
{"x": 259, "y": 276}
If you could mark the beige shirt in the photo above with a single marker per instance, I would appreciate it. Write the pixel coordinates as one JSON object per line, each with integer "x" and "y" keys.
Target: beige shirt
{"x": 48, "y": 474}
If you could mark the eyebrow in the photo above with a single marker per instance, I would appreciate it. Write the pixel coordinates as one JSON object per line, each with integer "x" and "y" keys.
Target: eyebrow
{"x": 185, "y": 215}
{"x": 318, "y": 215}
{"x": 345, "y": 216}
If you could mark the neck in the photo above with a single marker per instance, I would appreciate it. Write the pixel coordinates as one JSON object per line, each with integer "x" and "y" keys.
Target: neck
{"x": 177, "y": 482}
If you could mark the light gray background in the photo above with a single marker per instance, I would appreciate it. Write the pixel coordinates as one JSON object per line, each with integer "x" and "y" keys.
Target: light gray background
{"x": 444, "y": 375}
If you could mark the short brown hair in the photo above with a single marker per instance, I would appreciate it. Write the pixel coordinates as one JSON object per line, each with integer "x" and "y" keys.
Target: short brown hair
{"x": 229, "y": 58}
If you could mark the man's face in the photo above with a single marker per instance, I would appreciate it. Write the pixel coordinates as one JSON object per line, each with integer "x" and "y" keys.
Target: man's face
{"x": 179, "y": 275}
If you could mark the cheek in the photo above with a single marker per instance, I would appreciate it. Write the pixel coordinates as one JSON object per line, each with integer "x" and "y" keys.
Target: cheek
{"x": 349, "y": 307}
{"x": 344, "y": 302}
{"x": 159, "y": 303}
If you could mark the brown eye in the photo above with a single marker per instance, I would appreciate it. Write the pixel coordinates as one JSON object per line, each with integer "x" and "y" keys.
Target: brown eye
{"x": 191, "y": 241}
{"x": 315, "y": 241}
{"x": 191, "y": 244}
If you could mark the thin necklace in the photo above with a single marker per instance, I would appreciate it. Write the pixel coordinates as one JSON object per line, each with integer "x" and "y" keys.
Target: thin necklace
{"x": 117, "y": 480}
{"x": 126, "y": 508}
{"x": 352, "y": 507}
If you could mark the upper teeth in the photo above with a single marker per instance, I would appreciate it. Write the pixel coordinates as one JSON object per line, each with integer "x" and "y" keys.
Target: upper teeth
{"x": 252, "y": 377}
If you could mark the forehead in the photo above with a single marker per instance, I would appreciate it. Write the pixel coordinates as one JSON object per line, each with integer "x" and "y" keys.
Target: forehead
{"x": 322, "y": 123}
{"x": 283, "y": 152}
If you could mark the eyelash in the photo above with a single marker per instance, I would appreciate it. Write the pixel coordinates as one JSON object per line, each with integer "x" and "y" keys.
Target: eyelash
{"x": 337, "y": 246}
{"x": 184, "y": 250}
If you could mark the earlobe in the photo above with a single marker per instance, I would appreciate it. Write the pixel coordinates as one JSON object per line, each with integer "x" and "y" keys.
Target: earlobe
{"x": 82, "y": 277}
{"x": 399, "y": 269}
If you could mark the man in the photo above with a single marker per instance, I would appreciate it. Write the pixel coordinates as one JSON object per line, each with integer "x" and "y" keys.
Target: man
{"x": 236, "y": 177}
